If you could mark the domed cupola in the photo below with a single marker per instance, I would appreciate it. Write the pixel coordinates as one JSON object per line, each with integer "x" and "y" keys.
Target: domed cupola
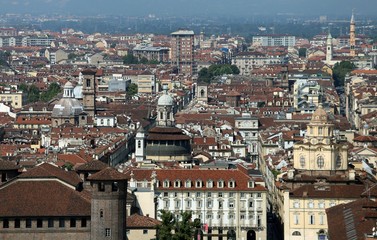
{"x": 67, "y": 109}
{"x": 165, "y": 109}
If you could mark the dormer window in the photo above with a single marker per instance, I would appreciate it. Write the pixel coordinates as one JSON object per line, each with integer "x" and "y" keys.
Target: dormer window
{"x": 251, "y": 184}
{"x": 231, "y": 184}
{"x": 209, "y": 184}
{"x": 177, "y": 183}
{"x": 220, "y": 184}
{"x": 198, "y": 183}
{"x": 188, "y": 183}
{"x": 166, "y": 183}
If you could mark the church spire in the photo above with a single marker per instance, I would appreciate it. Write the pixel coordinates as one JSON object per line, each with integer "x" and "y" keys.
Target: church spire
{"x": 329, "y": 48}
{"x": 352, "y": 36}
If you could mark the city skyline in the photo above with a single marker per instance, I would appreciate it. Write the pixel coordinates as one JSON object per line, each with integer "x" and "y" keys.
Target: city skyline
{"x": 240, "y": 8}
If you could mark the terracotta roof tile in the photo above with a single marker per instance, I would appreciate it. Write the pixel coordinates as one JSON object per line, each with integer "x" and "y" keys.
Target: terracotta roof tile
{"x": 42, "y": 198}
{"x": 46, "y": 170}
{"x": 108, "y": 174}
{"x": 94, "y": 165}
{"x": 138, "y": 221}
{"x": 8, "y": 165}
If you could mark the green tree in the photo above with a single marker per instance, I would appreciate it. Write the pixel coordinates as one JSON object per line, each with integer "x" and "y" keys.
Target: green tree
{"x": 143, "y": 60}
{"x": 52, "y": 91}
{"x": 132, "y": 89}
{"x": 207, "y": 74}
{"x": 174, "y": 229}
{"x": 130, "y": 59}
{"x": 72, "y": 56}
{"x": 302, "y": 52}
{"x": 204, "y": 76}
{"x": 33, "y": 94}
{"x": 340, "y": 71}
{"x": 164, "y": 230}
{"x": 235, "y": 69}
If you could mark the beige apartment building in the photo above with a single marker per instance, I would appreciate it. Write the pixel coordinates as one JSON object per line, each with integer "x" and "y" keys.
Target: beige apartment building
{"x": 12, "y": 98}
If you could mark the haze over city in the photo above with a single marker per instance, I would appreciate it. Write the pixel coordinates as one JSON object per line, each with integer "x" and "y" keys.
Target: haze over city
{"x": 240, "y": 8}
{"x": 188, "y": 119}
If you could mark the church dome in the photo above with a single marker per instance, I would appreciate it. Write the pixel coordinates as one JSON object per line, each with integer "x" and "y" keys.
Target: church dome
{"x": 320, "y": 115}
{"x": 67, "y": 106}
{"x": 165, "y": 99}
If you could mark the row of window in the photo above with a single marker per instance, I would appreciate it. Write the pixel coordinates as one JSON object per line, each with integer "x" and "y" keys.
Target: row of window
{"x": 199, "y": 184}
{"x": 211, "y": 194}
{"x": 311, "y": 204}
{"x": 210, "y": 204}
{"x": 311, "y": 219}
{"x": 41, "y": 223}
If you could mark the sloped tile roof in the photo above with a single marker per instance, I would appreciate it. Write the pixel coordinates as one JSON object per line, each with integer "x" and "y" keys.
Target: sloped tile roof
{"x": 138, "y": 221}
{"x": 46, "y": 170}
{"x": 108, "y": 174}
{"x": 8, "y": 165}
{"x": 94, "y": 165}
{"x": 42, "y": 198}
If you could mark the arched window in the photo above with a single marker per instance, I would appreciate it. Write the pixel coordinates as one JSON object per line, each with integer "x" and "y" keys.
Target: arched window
{"x": 202, "y": 93}
{"x": 320, "y": 162}
{"x": 302, "y": 161}
{"x": 296, "y": 233}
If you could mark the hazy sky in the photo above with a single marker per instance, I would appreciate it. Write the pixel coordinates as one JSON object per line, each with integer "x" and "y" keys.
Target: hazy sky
{"x": 191, "y": 7}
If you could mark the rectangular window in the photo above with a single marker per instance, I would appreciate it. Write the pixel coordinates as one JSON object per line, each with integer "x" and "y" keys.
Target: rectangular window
{"x": 84, "y": 223}
{"x": 321, "y": 219}
{"x": 17, "y": 223}
{"x": 311, "y": 219}
{"x": 295, "y": 219}
{"x": 231, "y": 204}
{"x": 145, "y": 231}
{"x": 28, "y": 223}
{"x": 5, "y": 223}
{"x": 72, "y": 222}
{"x": 61, "y": 222}
{"x": 198, "y": 194}
{"x": 209, "y": 194}
{"x": 88, "y": 83}
{"x": 39, "y": 223}
{"x": 220, "y": 194}
{"x": 107, "y": 232}
{"x": 50, "y": 222}
{"x": 209, "y": 204}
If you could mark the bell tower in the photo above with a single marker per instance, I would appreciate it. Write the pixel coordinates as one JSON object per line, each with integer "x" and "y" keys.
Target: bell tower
{"x": 140, "y": 145}
{"x": 108, "y": 205}
{"x": 202, "y": 93}
{"x": 352, "y": 36}
{"x": 329, "y": 48}
{"x": 89, "y": 91}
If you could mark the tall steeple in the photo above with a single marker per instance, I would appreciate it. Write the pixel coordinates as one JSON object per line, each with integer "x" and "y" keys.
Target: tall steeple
{"x": 352, "y": 36}
{"x": 329, "y": 48}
